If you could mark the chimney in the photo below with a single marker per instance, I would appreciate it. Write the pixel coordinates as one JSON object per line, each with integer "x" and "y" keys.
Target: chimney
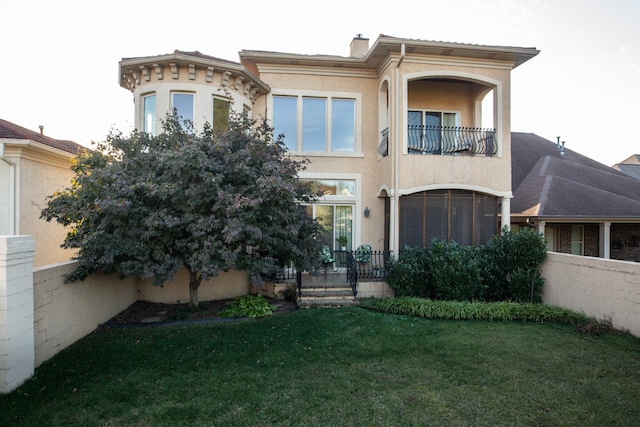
{"x": 41, "y": 129}
{"x": 359, "y": 46}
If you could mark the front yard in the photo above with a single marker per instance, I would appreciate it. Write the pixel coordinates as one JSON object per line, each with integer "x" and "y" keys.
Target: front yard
{"x": 344, "y": 366}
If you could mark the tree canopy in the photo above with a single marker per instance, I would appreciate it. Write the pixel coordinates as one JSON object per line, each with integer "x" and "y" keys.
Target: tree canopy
{"x": 149, "y": 205}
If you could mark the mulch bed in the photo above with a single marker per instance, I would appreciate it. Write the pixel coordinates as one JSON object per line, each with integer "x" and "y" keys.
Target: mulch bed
{"x": 144, "y": 312}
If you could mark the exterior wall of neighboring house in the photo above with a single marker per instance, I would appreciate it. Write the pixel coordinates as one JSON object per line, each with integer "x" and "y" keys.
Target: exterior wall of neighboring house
{"x": 624, "y": 238}
{"x": 625, "y": 242}
{"x": 31, "y": 172}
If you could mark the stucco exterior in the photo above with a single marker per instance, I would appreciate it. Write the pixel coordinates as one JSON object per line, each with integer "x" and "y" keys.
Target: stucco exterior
{"x": 387, "y": 82}
{"x": 29, "y": 173}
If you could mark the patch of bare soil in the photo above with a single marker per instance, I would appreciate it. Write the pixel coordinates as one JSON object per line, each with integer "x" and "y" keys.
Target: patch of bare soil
{"x": 142, "y": 312}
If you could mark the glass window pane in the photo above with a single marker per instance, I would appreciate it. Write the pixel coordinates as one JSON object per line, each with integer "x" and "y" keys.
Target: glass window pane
{"x": 220, "y": 115}
{"x": 285, "y": 113}
{"x": 324, "y": 215}
{"x": 183, "y": 104}
{"x": 343, "y": 125}
{"x": 344, "y": 225}
{"x": 331, "y": 187}
{"x": 314, "y": 119}
{"x": 149, "y": 117}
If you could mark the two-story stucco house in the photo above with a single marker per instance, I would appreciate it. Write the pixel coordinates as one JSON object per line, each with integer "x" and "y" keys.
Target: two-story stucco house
{"x": 409, "y": 140}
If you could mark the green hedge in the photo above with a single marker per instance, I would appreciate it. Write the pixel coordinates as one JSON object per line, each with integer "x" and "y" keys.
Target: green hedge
{"x": 506, "y": 269}
{"x": 458, "y": 310}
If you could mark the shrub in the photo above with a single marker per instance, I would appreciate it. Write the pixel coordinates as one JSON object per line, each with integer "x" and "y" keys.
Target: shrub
{"x": 408, "y": 275}
{"x": 455, "y": 271}
{"x": 248, "y": 306}
{"x": 512, "y": 266}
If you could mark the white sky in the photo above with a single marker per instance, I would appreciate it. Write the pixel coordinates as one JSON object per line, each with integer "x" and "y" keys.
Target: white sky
{"x": 59, "y": 65}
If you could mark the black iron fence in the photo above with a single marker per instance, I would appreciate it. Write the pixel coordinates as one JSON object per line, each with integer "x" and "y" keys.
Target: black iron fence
{"x": 358, "y": 264}
{"x": 451, "y": 140}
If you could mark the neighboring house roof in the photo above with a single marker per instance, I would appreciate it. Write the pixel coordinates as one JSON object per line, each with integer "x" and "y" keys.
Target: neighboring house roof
{"x": 10, "y": 130}
{"x": 385, "y": 45}
{"x": 548, "y": 185}
{"x": 630, "y": 166}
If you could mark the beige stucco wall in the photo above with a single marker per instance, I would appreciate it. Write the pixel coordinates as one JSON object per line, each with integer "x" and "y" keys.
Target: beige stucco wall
{"x": 64, "y": 313}
{"x": 363, "y": 163}
{"x": 601, "y": 288}
{"x": 39, "y": 172}
{"x": 225, "y": 285}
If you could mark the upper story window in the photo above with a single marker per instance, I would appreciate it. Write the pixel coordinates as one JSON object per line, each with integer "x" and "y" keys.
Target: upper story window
{"x": 220, "y": 114}
{"x": 149, "y": 114}
{"x": 183, "y": 103}
{"x": 316, "y": 124}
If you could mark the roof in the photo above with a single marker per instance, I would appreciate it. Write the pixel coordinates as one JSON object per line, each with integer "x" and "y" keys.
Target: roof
{"x": 10, "y": 130}
{"x": 385, "y": 45}
{"x": 630, "y": 166}
{"x": 547, "y": 185}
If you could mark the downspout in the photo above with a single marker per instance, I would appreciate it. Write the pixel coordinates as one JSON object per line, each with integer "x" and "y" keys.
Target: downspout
{"x": 395, "y": 208}
{"x": 12, "y": 191}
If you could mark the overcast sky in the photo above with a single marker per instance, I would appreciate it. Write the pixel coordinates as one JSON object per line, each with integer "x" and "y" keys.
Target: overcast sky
{"x": 59, "y": 65}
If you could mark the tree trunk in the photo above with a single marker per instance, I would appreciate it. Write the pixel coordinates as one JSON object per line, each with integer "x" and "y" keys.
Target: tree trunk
{"x": 194, "y": 283}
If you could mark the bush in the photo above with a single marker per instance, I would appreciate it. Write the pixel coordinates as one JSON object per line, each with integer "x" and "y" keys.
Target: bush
{"x": 512, "y": 266}
{"x": 408, "y": 275}
{"x": 248, "y": 306}
{"x": 507, "y": 269}
{"x": 455, "y": 271}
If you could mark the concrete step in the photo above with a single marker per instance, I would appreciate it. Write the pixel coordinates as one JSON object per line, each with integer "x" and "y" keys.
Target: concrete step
{"x": 326, "y": 302}
{"x": 326, "y": 292}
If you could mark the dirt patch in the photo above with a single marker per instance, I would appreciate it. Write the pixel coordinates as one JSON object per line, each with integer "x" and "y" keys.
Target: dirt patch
{"x": 150, "y": 312}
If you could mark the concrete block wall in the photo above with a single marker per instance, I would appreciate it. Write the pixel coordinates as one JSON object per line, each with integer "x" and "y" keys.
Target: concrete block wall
{"x": 64, "y": 313}
{"x": 17, "y": 352}
{"x": 601, "y": 288}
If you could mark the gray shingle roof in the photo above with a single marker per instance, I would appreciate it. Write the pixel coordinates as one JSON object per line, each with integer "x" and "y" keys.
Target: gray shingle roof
{"x": 547, "y": 185}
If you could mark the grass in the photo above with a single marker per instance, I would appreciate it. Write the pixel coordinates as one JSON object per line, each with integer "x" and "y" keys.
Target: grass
{"x": 335, "y": 367}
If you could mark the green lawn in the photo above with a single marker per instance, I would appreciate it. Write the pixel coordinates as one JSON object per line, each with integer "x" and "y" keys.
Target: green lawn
{"x": 336, "y": 367}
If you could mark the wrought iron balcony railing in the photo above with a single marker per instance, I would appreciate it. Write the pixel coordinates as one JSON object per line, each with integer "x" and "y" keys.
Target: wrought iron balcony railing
{"x": 383, "y": 147}
{"x": 451, "y": 140}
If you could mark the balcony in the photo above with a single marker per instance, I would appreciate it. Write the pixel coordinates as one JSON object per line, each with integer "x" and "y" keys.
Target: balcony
{"x": 445, "y": 140}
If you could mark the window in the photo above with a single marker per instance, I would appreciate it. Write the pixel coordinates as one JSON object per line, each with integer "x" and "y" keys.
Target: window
{"x": 335, "y": 210}
{"x": 220, "y": 114}
{"x": 183, "y": 103}
{"x": 332, "y": 187}
{"x": 577, "y": 239}
{"x": 432, "y": 131}
{"x": 149, "y": 114}
{"x": 316, "y": 124}
{"x": 337, "y": 221}
{"x": 285, "y": 112}
{"x": 466, "y": 217}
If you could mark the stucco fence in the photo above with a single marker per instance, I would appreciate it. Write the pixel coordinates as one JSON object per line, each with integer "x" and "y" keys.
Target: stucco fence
{"x": 601, "y": 288}
{"x": 40, "y": 315}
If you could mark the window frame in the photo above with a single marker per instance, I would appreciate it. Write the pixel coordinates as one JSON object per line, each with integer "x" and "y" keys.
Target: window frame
{"x": 329, "y": 97}
{"x": 580, "y": 229}
{"x": 172, "y": 95}
{"x": 153, "y": 121}
{"x": 216, "y": 126}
